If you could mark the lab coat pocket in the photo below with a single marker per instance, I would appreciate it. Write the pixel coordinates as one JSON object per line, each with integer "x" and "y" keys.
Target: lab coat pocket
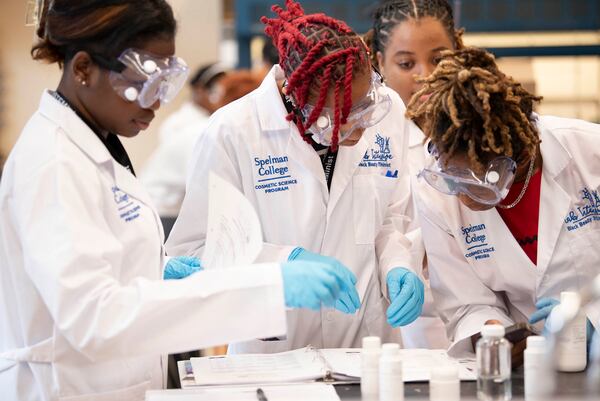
{"x": 371, "y": 197}
{"x": 585, "y": 254}
{"x": 132, "y": 393}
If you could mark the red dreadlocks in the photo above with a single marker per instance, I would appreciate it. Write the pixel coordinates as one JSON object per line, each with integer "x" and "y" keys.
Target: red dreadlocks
{"x": 317, "y": 53}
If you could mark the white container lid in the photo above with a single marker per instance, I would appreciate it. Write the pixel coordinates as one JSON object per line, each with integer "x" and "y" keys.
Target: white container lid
{"x": 537, "y": 342}
{"x": 390, "y": 349}
{"x": 493, "y": 331}
{"x": 372, "y": 342}
{"x": 446, "y": 373}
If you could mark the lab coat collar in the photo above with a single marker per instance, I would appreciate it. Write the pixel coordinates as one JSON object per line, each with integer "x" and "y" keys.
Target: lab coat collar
{"x": 554, "y": 196}
{"x": 74, "y": 127}
{"x": 89, "y": 143}
{"x": 555, "y": 156}
{"x": 416, "y": 137}
{"x": 270, "y": 108}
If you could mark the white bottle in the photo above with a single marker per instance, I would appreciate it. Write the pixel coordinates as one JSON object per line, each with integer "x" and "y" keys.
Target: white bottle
{"x": 391, "y": 385}
{"x": 369, "y": 376}
{"x": 539, "y": 374}
{"x": 444, "y": 384}
{"x": 572, "y": 344}
{"x": 493, "y": 365}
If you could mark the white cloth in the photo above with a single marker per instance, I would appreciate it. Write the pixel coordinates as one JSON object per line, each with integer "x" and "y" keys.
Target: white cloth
{"x": 360, "y": 221}
{"x": 84, "y": 314}
{"x": 165, "y": 173}
{"x": 189, "y": 114}
{"x": 428, "y": 331}
{"x": 478, "y": 271}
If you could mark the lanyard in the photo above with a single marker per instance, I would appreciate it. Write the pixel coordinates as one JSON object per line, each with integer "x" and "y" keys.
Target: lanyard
{"x": 111, "y": 141}
{"x": 328, "y": 160}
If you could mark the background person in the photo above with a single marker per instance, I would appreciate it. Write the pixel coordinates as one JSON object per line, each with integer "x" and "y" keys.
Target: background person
{"x": 406, "y": 42}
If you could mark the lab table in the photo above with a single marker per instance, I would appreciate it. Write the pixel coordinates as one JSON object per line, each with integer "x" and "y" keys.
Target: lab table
{"x": 570, "y": 386}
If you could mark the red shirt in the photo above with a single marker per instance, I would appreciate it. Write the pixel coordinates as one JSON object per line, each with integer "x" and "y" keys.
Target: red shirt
{"x": 522, "y": 220}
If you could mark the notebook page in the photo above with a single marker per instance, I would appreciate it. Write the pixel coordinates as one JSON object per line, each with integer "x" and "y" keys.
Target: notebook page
{"x": 292, "y": 366}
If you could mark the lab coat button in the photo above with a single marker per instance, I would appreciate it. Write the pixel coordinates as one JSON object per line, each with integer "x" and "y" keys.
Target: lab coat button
{"x": 329, "y": 316}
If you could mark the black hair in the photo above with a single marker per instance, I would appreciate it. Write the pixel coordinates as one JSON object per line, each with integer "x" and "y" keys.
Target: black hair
{"x": 390, "y": 13}
{"x": 104, "y": 28}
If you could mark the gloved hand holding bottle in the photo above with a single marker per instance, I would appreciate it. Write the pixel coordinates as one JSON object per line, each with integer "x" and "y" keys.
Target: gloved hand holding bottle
{"x": 179, "y": 267}
{"x": 544, "y": 307}
{"x": 348, "y": 300}
{"x": 407, "y": 295}
{"x": 312, "y": 284}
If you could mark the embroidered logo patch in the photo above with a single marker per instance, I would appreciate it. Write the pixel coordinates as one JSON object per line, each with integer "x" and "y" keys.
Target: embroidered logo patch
{"x": 587, "y": 212}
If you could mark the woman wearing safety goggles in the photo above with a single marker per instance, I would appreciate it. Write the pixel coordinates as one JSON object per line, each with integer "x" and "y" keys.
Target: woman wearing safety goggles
{"x": 320, "y": 150}
{"x": 509, "y": 201}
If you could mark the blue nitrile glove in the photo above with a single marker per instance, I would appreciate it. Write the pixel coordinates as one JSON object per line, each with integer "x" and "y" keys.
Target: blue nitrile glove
{"x": 348, "y": 301}
{"x": 181, "y": 267}
{"x": 310, "y": 284}
{"x": 407, "y": 295}
{"x": 544, "y": 307}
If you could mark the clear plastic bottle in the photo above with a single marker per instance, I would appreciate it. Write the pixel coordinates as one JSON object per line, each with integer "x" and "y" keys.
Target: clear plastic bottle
{"x": 369, "y": 381}
{"x": 391, "y": 384}
{"x": 493, "y": 365}
{"x": 572, "y": 343}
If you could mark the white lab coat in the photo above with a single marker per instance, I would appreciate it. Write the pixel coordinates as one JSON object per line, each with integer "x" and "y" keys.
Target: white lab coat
{"x": 189, "y": 114}
{"x": 477, "y": 269}
{"x": 360, "y": 221}
{"x": 165, "y": 173}
{"x": 428, "y": 331}
{"x": 83, "y": 312}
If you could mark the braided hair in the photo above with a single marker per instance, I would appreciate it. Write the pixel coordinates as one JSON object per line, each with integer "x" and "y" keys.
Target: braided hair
{"x": 393, "y": 12}
{"x": 473, "y": 107}
{"x": 317, "y": 54}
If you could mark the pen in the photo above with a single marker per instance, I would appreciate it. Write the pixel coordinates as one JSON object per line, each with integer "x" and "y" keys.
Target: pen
{"x": 260, "y": 395}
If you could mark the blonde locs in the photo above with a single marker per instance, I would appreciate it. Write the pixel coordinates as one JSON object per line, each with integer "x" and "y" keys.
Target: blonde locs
{"x": 472, "y": 107}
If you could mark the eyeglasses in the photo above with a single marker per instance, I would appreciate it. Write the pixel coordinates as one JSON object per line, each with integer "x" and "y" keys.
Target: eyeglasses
{"x": 366, "y": 113}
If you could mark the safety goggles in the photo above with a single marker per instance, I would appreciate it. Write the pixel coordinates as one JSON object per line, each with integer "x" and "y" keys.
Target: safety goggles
{"x": 490, "y": 189}
{"x": 146, "y": 78}
{"x": 366, "y": 113}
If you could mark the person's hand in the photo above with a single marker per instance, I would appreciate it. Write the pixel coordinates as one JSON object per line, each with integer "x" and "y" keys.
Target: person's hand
{"x": 545, "y": 306}
{"x": 348, "y": 301}
{"x": 311, "y": 284}
{"x": 407, "y": 295}
{"x": 181, "y": 266}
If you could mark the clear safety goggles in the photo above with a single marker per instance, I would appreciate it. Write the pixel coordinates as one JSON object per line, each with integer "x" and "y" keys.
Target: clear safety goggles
{"x": 490, "y": 189}
{"x": 366, "y": 113}
{"x": 147, "y": 78}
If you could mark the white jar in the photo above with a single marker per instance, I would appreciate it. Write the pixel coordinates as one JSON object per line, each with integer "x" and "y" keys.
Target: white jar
{"x": 444, "y": 384}
{"x": 391, "y": 384}
{"x": 539, "y": 374}
{"x": 572, "y": 344}
{"x": 369, "y": 376}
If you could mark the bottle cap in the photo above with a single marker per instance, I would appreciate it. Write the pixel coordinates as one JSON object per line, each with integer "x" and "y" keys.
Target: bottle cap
{"x": 390, "y": 349}
{"x": 536, "y": 342}
{"x": 371, "y": 342}
{"x": 493, "y": 331}
{"x": 445, "y": 373}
